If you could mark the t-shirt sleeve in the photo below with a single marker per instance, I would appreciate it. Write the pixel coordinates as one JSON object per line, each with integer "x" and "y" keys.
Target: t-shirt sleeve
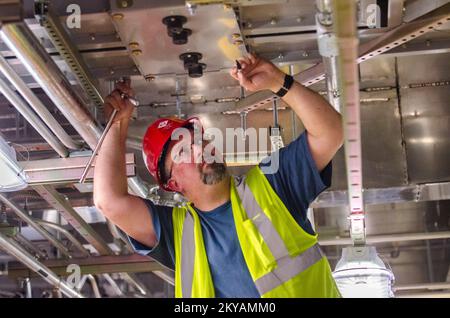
{"x": 163, "y": 251}
{"x": 297, "y": 181}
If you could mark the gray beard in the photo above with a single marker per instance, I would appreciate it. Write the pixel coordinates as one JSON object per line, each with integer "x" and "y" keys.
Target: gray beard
{"x": 218, "y": 171}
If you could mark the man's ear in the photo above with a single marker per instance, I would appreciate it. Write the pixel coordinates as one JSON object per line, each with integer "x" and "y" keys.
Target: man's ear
{"x": 173, "y": 185}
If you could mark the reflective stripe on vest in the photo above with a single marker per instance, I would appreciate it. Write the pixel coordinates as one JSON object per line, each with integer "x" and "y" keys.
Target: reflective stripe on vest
{"x": 287, "y": 267}
{"x": 192, "y": 273}
{"x": 187, "y": 255}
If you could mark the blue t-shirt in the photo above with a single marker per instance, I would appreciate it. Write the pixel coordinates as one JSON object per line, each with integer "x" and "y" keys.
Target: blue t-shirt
{"x": 297, "y": 182}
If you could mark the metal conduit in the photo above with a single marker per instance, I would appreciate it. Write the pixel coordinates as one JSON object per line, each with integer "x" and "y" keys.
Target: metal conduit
{"x": 94, "y": 286}
{"x": 28, "y": 245}
{"x": 26, "y": 218}
{"x": 32, "y": 118}
{"x": 328, "y": 49}
{"x": 36, "y": 104}
{"x": 27, "y": 259}
{"x": 66, "y": 233}
{"x": 19, "y": 38}
{"x": 44, "y": 70}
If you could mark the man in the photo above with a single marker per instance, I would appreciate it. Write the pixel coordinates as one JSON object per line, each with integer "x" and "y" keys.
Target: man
{"x": 238, "y": 237}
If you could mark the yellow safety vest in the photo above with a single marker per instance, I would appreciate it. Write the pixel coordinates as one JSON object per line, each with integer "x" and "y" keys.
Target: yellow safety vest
{"x": 283, "y": 259}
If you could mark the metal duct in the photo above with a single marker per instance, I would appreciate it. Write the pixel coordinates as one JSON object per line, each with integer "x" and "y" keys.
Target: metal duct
{"x": 36, "y": 104}
{"x": 27, "y": 259}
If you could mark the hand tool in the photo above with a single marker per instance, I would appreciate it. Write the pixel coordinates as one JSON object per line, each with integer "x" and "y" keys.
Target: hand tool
{"x": 135, "y": 102}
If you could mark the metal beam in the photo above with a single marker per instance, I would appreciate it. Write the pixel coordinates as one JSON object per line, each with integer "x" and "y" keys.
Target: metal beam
{"x": 37, "y": 105}
{"x": 435, "y": 46}
{"x": 11, "y": 11}
{"x": 73, "y": 218}
{"x": 34, "y": 120}
{"x": 417, "y": 8}
{"x": 428, "y": 286}
{"x": 395, "y": 12}
{"x": 21, "y": 40}
{"x": 26, "y": 218}
{"x": 394, "y": 38}
{"x": 37, "y": 268}
{"x": 348, "y": 82}
{"x": 60, "y": 39}
{"x": 64, "y": 170}
{"x": 411, "y": 193}
{"x": 66, "y": 233}
{"x": 388, "y": 238}
{"x": 133, "y": 263}
{"x": 444, "y": 294}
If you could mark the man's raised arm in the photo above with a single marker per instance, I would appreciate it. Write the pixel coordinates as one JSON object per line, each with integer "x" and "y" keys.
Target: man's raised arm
{"x": 111, "y": 197}
{"x": 321, "y": 120}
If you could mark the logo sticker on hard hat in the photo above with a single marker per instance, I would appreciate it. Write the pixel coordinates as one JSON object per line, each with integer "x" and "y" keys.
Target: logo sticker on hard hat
{"x": 163, "y": 124}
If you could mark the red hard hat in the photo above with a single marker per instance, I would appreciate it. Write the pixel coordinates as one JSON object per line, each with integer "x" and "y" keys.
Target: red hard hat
{"x": 155, "y": 138}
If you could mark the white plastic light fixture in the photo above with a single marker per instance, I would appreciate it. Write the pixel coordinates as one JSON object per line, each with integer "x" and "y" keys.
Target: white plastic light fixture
{"x": 12, "y": 176}
{"x": 360, "y": 273}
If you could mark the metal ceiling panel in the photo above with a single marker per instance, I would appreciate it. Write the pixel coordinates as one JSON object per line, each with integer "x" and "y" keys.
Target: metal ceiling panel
{"x": 425, "y": 97}
{"x": 382, "y": 154}
{"x": 212, "y": 28}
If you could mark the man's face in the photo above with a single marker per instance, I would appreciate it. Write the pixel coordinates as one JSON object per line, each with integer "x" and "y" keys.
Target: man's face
{"x": 192, "y": 161}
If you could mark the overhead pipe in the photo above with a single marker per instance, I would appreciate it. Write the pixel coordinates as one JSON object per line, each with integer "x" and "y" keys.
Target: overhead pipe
{"x": 44, "y": 70}
{"x": 66, "y": 233}
{"x": 132, "y": 279}
{"x": 126, "y": 245}
{"x": 26, "y": 218}
{"x": 14, "y": 249}
{"x": 93, "y": 283}
{"x": 19, "y": 38}
{"x": 113, "y": 284}
{"x": 94, "y": 286}
{"x": 36, "y": 104}
{"x": 33, "y": 119}
{"x": 30, "y": 246}
{"x": 27, "y": 287}
{"x": 328, "y": 49}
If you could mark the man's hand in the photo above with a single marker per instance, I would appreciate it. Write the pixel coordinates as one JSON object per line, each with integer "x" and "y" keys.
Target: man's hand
{"x": 115, "y": 101}
{"x": 258, "y": 74}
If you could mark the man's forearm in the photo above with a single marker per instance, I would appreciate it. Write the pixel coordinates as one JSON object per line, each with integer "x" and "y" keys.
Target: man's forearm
{"x": 317, "y": 115}
{"x": 110, "y": 180}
